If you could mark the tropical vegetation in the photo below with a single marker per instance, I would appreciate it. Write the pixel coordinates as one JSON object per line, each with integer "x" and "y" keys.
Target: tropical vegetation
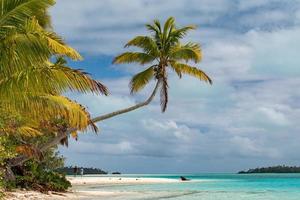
{"x": 273, "y": 169}
{"x": 36, "y": 117}
{"x": 87, "y": 170}
{"x": 33, "y": 76}
{"x": 163, "y": 50}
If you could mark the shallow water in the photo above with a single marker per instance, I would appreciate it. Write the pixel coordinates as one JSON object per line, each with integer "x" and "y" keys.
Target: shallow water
{"x": 212, "y": 187}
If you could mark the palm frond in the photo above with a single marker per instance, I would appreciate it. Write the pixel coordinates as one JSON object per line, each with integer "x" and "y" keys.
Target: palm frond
{"x": 59, "y": 47}
{"x": 182, "y": 68}
{"x": 156, "y": 27}
{"x": 55, "y": 42}
{"x": 15, "y": 12}
{"x": 146, "y": 43}
{"x": 48, "y": 107}
{"x": 168, "y": 27}
{"x": 77, "y": 80}
{"x": 28, "y": 131}
{"x": 75, "y": 114}
{"x": 20, "y": 50}
{"x": 30, "y": 46}
{"x": 181, "y": 32}
{"x": 140, "y": 80}
{"x": 190, "y": 51}
{"x": 134, "y": 57}
{"x": 54, "y": 79}
{"x": 44, "y": 19}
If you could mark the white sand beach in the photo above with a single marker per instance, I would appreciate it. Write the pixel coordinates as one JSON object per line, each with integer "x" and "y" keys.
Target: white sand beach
{"x": 117, "y": 180}
{"x": 31, "y": 195}
{"x": 77, "y": 182}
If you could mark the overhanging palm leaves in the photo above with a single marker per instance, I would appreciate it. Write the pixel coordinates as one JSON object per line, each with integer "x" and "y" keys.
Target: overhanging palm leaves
{"x": 18, "y": 11}
{"x": 29, "y": 83}
{"x": 163, "y": 50}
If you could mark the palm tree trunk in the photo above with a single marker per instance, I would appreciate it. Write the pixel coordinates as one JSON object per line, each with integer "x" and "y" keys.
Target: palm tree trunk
{"x": 126, "y": 110}
{"x": 22, "y": 158}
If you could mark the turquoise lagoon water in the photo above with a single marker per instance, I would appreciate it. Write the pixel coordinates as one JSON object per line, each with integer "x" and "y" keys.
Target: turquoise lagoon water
{"x": 212, "y": 187}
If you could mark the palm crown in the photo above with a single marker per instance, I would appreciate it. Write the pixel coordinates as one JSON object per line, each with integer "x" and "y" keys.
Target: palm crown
{"x": 162, "y": 51}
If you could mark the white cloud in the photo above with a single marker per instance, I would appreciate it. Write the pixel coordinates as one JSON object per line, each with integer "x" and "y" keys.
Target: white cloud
{"x": 248, "y": 147}
{"x": 264, "y": 18}
{"x": 275, "y": 116}
{"x": 252, "y": 107}
{"x": 89, "y": 147}
{"x": 181, "y": 132}
{"x": 276, "y": 52}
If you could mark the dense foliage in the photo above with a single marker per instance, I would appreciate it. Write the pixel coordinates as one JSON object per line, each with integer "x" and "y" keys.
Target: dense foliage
{"x": 33, "y": 76}
{"x": 275, "y": 169}
{"x": 38, "y": 176}
{"x": 6, "y": 152}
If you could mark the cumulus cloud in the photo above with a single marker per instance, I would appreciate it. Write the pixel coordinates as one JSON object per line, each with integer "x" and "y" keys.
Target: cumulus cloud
{"x": 101, "y": 27}
{"x": 249, "y": 116}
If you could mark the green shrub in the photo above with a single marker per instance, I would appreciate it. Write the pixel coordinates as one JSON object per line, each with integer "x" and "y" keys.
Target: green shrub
{"x": 36, "y": 177}
{"x": 34, "y": 174}
{"x": 7, "y": 151}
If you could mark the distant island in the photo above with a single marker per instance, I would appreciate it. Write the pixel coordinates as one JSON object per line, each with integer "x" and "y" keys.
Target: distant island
{"x": 86, "y": 170}
{"x": 274, "y": 169}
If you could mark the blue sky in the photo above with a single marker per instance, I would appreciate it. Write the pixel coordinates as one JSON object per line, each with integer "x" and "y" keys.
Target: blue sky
{"x": 248, "y": 118}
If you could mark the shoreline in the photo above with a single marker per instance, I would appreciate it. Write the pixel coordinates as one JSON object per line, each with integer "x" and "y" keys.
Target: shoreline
{"x": 78, "y": 192}
{"x": 85, "y": 180}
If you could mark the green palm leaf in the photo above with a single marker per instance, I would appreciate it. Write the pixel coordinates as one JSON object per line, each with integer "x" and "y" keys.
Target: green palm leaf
{"x": 14, "y": 12}
{"x": 140, "y": 80}
{"x": 134, "y": 57}
{"x": 28, "y": 131}
{"x": 180, "y": 33}
{"x": 168, "y": 28}
{"x": 146, "y": 43}
{"x": 53, "y": 41}
{"x": 181, "y": 68}
{"x": 55, "y": 79}
{"x": 188, "y": 52}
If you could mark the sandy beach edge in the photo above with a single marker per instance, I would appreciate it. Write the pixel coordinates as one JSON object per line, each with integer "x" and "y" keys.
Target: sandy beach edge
{"x": 87, "y": 181}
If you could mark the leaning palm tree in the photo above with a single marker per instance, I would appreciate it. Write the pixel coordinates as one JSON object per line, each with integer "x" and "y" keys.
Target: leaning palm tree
{"x": 162, "y": 50}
